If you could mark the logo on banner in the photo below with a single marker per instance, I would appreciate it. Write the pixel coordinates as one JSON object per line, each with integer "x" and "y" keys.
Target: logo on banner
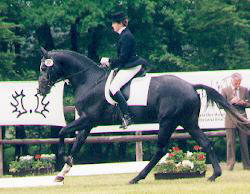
{"x": 21, "y": 106}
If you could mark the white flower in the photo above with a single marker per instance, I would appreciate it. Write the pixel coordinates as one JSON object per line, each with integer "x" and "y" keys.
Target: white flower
{"x": 163, "y": 159}
{"x": 48, "y": 156}
{"x": 189, "y": 154}
{"x": 179, "y": 164}
{"x": 188, "y": 163}
{"x": 26, "y": 158}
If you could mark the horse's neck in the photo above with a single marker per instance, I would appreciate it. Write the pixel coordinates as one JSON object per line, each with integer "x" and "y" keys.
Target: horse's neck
{"x": 89, "y": 80}
{"x": 87, "y": 93}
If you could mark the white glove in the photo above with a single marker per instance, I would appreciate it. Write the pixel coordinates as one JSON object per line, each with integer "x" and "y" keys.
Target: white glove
{"x": 105, "y": 61}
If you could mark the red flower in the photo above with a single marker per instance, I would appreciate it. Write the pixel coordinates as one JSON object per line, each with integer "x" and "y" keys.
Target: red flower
{"x": 197, "y": 148}
{"x": 171, "y": 155}
{"x": 201, "y": 157}
{"x": 37, "y": 156}
{"x": 177, "y": 149}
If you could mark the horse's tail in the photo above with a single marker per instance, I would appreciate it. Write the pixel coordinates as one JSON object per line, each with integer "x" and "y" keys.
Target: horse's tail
{"x": 214, "y": 96}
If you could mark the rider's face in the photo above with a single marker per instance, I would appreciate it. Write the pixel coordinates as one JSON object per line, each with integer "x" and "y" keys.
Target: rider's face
{"x": 116, "y": 26}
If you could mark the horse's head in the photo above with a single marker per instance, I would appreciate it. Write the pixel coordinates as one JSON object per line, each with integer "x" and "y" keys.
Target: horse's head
{"x": 65, "y": 64}
{"x": 50, "y": 72}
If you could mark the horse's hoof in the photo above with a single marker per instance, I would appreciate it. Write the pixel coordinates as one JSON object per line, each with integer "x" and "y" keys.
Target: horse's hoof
{"x": 59, "y": 178}
{"x": 133, "y": 181}
{"x": 211, "y": 179}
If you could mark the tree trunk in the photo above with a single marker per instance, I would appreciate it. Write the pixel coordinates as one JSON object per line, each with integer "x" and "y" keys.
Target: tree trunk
{"x": 95, "y": 36}
{"x": 44, "y": 37}
{"x": 21, "y": 150}
{"x": 74, "y": 34}
{"x": 17, "y": 46}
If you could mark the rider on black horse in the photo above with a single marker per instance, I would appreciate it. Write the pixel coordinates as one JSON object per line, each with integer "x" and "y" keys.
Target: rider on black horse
{"x": 127, "y": 62}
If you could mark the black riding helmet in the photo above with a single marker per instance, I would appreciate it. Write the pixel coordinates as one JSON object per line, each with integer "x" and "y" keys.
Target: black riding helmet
{"x": 118, "y": 17}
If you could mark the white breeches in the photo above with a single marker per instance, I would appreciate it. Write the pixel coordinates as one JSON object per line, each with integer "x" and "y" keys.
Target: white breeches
{"x": 122, "y": 77}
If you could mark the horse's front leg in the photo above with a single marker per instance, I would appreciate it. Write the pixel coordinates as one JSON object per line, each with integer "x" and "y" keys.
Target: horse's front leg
{"x": 80, "y": 139}
{"x": 83, "y": 123}
{"x": 77, "y": 124}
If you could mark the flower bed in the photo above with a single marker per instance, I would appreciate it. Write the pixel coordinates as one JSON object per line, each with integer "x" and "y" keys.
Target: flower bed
{"x": 177, "y": 164}
{"x": 33, "y": 165}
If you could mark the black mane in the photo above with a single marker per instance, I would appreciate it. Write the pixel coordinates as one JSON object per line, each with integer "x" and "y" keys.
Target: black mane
{"x": 74, "y": 55}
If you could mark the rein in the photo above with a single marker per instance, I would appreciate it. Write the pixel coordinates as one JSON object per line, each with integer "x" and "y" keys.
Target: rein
{"x": 74, "y": 74}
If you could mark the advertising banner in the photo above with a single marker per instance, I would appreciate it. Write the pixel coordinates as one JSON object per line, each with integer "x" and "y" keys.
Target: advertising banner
{"x": 20, "y": 104}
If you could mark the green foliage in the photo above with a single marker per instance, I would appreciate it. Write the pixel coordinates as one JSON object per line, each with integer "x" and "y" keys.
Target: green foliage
{"x": 213, "y": 26}
{"x": 31, "y": 163}
{"x": 7, "y": 55}
{"x": 184, "y": 35}
{"x": 25, "y": 163}
{"x": 239, "y": 55}
{"x": 169, "y": 62}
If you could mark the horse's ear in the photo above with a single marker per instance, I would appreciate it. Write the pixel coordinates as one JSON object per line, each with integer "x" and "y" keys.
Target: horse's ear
{"x": 44, "y": 52}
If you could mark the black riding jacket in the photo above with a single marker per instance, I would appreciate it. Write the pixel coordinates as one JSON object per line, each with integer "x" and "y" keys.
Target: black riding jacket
{"x": 126, "y": 52}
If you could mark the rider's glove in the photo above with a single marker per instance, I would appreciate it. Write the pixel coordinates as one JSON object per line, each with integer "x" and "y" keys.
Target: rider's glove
{"x": 105, "y": 61}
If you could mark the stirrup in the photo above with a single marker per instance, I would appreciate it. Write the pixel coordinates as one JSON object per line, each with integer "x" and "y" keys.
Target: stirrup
{"x": 126, "y": 121}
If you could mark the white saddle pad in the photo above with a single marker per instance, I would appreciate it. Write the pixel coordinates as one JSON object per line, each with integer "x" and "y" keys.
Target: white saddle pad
{"x": 138, "y": 95}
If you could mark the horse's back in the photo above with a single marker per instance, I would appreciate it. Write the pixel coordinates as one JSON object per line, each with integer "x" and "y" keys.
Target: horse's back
{"x": 172, "y": 95}
{"x": 172, "y": 85}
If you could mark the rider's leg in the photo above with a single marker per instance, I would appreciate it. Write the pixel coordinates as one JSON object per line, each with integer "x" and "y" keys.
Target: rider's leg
{"x": 126, "y": 118}
{"x": 121, "y": 78}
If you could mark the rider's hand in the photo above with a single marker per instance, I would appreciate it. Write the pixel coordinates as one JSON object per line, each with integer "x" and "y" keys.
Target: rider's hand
{"x": 242, "y": 103}
{"x": 235, "y": 100}
{"x": 105, "y": 62}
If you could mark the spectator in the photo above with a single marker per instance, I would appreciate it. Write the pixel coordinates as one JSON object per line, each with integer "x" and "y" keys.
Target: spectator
{"x": 238, "y": 96}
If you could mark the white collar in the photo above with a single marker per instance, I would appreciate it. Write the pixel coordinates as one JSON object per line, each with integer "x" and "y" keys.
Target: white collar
{"x": 120, "y": 31}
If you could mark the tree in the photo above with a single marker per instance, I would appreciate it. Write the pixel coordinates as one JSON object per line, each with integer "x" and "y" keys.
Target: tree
{"x": 239, "y": 55}
{"x": 213, "y": 26}
{"x": 7, "y": 51}
{"x": 165, "y": 30}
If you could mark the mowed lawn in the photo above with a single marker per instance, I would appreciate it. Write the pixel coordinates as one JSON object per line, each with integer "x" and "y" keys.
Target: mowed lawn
{"x": 231, "y": 182}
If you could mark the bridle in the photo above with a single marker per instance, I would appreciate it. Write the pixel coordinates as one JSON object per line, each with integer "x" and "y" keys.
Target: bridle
{"x": 52, "y": 83}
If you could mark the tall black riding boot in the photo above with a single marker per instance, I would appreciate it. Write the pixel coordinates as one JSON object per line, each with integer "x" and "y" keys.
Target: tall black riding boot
{"x": 126, "y": 119}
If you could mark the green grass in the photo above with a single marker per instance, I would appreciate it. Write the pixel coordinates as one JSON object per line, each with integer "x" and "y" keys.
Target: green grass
{"x": 231, "y": 182}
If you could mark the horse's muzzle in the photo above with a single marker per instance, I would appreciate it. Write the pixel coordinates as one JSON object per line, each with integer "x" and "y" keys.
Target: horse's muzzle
{"x": 41, "y": 92}
{"x": 44, "y": 86}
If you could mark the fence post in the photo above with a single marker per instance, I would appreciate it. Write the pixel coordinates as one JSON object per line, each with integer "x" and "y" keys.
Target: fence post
{"x": 1, "y": 153}
{"x": 139, "y": 152}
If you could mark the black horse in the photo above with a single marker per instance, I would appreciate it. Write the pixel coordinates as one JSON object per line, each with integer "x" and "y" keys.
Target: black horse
{"x": 171, "y": 101}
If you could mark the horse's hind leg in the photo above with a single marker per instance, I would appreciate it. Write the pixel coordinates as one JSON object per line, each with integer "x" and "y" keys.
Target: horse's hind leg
{"x": 165, "y": 132}
{"x": 204, "y": 142}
